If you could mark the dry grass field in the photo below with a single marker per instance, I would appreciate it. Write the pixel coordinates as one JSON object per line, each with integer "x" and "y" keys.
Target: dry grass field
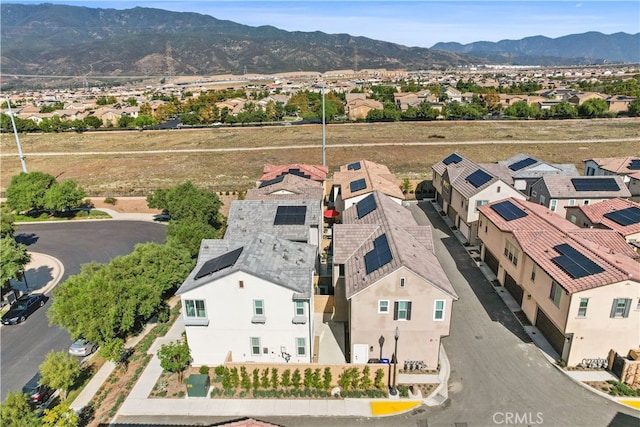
{"x": 133, "y": 162}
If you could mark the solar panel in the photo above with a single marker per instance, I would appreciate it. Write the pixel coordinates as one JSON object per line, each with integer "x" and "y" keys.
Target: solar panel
{"x": 366, "y": 206}
{"x": 271, "y": 181}
{"x": 595, "y": 184}
{"x": 379, "y": 255}
{"x": 508, "y": 210}
{"x": 296, "y": 172}
{"x": 355, "y": 166}
{"x": 634, "y": 165}
{"x": 479, "y": 178}
{"x": 574, "y": 263}
{"x": 218, "y": 263}
{"x": 522, "y": 164}
{"x": 626, "y": 216}
{"x": 357, "y": 185}
{"x": 290, "y": 215}
{"x": 452, "y": 158}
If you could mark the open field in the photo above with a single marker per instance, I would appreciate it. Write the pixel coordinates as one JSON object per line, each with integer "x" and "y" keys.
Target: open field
{"x": 133, "y": 163}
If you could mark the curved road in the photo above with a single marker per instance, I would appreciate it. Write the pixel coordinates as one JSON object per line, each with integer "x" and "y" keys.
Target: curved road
{"x": 74, "y": 243}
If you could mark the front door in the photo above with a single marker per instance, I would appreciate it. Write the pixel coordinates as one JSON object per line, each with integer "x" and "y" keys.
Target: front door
{"x": 360, "y": 353}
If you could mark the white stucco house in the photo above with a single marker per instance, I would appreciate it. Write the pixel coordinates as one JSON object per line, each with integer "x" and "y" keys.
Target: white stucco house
{"x": 250, "y": 300}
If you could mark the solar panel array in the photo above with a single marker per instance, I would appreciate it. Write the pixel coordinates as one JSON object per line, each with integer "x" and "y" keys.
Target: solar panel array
{"x": 355, "y": 166}
{"x": 595, "y": 184}
{"x": 379, "y": 255}
{"x": 634, "y": 165}
{"x": 522, "y": 164}
{"x": 297, "y": 172}
{"x": 508, "y": 210}
{"x": 271, "y": 181}
{"x": 218, "y": 263}
{"x": 357, "y": 185}
{"x": 290, "y": 215}
{"x": 366, "y": 206}
{"x": 574, "y": 263}
{"x": 452, "y": 158}
{"x": 479, "y": 178}
{"x": 626, "y": 216}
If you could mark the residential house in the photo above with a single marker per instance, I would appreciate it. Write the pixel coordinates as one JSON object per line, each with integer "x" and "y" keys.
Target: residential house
{"x": 452, "y": 94}
{"x": 387, "y": 276}
{"x": 359, "y": 108}
{"x": 619, "y": 215}
{"x": 526, "y": 170}
{"x": 355, "y": 181}
{"x": 578, "y": 286}
{"x": 250, "y": 300}
{"x": 581, "y": 97}
{"x": 287, "y": 187}
{"x": 626, "y": 167}
{"x": 619, "y": 103}
{"x": 314, "y": 172}
{"x": 558, "y": 191}
{"x": 462, "y": 185}
{"x": 295, "y": 220}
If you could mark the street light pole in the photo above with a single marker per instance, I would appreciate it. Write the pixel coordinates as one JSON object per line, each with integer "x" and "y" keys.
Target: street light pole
{"x": 324, "y": 143}
{"x": 381, "y": 342}
{"x": 15, "y": 132}
{"x": 394, "y": 390}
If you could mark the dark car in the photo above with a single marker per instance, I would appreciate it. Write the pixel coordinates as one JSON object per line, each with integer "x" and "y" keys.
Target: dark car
{"x": 37, "y": 394}
{"x": 22, "y": 308}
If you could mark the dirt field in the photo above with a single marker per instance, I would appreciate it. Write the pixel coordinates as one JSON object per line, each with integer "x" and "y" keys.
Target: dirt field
{"x": 139, "y": 204}
{"x": 134, "y": 163}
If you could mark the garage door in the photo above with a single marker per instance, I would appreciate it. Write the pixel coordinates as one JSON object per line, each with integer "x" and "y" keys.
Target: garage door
{"x": 491, "y": 261}
{"x": 464, "y": 229}
{"x": 550, "y": 331}
{"x": 516, "y": 291}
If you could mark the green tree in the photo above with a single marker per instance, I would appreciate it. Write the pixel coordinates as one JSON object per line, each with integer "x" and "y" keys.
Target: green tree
{"x": 6, "y": 222}
{"x": 132, "y": 101}
{"x": 125, "y": 121}
{"x": 564, "y": 110}
{"x": 520, "y": 109}
{"x": 175, "y": 357}
{"x": 296, "y": 379}
{"x": 275, "y": 379}
{"x": 93, "y": 122}
{"x": 187, "y": 202}
{"x": 60, "y": 371}
{"x": 64, "y": 196}
{"x": 28, "y": 190}
{"x": 188, "y": 235}
{"x": 13, "y": 258}
{"x": 144, "y": 120}
{"x": 245, "y": 379}
{"x": 15, "y": 411}
{"x": 634, "y": 107}
{"x": 594, "y": 107}
{"x": 60, "y": 415}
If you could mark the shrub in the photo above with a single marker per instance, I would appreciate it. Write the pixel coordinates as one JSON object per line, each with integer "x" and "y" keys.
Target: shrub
{"x": 110, "y": 200}
{"x": 403, "y": 390}
{"x": 264, "y": 378}
{"x": 379, "y": 381}
{"x": 345, "y": 379}
{"x": 286, "y": 378}
{"x": 274, "y": 378}
{"x": 315, "y": 379}
{"x": 355, "y": 378}
{"x": 256, "y": 378}
{"x": 365, "y": 382}
{"x": 219, "y": 370}
{"x": 245, "y": 382}
{"x": 204, "y": 370}
{"x": 226, "y": 379}
{"x": 621, "y": 389}
{"x": 296, "y": 379}
{"x": 308, "y": 378}
{"x": 326, "y": 378}
{"x": 235, "y": 378}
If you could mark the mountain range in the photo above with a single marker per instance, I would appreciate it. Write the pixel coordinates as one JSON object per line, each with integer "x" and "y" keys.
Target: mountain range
{"x": 60, "y": 40}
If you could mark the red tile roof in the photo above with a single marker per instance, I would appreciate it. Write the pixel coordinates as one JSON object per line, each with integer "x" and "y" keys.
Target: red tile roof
{"x": 541, "y": 230}
{"x": 595, "y": 214}
{"x": 316, "y": 172}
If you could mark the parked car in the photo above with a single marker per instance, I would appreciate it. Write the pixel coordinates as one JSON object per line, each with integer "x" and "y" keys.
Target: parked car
{"x": 82, "y": 348}
{"x": 37, "y": 394}
{"x": 23, "y": 307}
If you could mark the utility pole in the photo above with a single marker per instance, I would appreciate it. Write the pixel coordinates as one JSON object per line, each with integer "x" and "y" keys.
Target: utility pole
{"x": 15, "y": 132}
{"x": 324, "y": 146}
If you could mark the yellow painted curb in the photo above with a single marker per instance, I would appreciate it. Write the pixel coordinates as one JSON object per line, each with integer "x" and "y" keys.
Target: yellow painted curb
{"x": 393, "y": 407}
{"x": 632, "y": 403}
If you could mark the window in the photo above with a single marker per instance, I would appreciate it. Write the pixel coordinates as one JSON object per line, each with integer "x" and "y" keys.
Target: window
{"x": 299, "y": 308}
{"x": 498, "y": 189}
{"x": 586, "y": 202}
{"x": 241, "y": 284}
{"x": 195, "y": 309}
{"x": 511, "y": 252}
{"x": 572, "y": 202}
{"x": 534, "y": 194}
{"x": 480, "y": 203}
{"x": 301, "y": 346}
{"x": 402, "y": 282}
{"x": 258, "y": 307}
{"x": 582, "y": 309}
{"x": 553, "y": 204}
{"x": 383, "y": 306}
{"x": 438, "y": 309}
{"x": 533, "y": 272}
{"x": 255, "y": 346}
{"x": 620, "y": 307}
{"x": 572, "y": 219}
{"x": 402, "y": 310}
{"x": 556, "y": 293}
{"x": 542, "y": 199}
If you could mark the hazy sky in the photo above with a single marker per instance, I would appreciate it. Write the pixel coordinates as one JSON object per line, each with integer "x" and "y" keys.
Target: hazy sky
{"x": 412, "y": 23}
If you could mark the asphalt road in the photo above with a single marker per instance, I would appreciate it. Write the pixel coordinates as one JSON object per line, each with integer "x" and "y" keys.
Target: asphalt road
{"x": 497, "y": 373}
{"x": 74, "y": 243}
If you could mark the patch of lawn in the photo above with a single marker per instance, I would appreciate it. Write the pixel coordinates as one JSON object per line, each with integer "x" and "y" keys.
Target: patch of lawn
{"x": 75, "y": 215}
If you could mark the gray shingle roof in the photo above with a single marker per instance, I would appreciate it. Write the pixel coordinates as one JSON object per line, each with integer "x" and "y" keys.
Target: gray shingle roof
{"x": 279, "y": 261}
{"x": 539, "y": 168}
{"x": 561, "y": 187}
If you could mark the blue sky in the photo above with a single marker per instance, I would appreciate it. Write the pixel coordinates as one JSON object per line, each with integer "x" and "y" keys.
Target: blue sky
{"x": 412, "y": 23}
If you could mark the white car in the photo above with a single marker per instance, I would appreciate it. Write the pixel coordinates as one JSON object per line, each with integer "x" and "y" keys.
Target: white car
{"x": 82, "y": 348}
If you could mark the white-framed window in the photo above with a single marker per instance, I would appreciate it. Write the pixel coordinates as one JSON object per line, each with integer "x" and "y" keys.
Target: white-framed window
{"x": 301, "y": 346}
{"x": 255, "y": 346}
{"x": 542, "y": 199}
{"x": 620, "y": 307}
{"x": 480, "y": 203}
{"x": 258, "y": 307}
{"x": 383, "y": 306}
{"x": 402, "y": 282}
{"x": 582, "y": 308}
{"x": 572, "y": 202}
{"x": 195, "y": 308}
{"x": 553, "y": 203}
{"x": 402, "y": 310}
{"x": 299, "y": 308}
{"x": 556, "y": 293}
{"x": 438, "y": 309}
{"x": 511, "y": 252}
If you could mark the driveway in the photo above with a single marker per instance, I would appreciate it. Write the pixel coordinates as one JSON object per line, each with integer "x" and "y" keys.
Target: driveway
{"x": 73, "y": 243}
